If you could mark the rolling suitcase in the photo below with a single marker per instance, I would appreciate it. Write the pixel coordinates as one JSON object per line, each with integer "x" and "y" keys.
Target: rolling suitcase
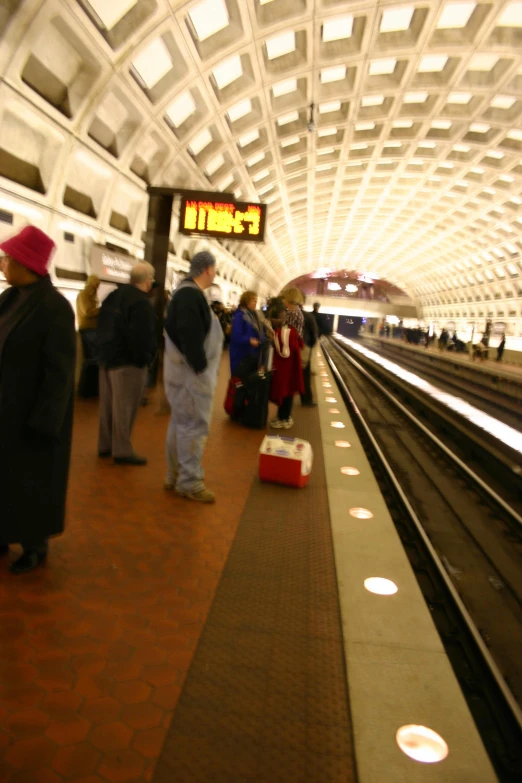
{"x": 254, "y": 411}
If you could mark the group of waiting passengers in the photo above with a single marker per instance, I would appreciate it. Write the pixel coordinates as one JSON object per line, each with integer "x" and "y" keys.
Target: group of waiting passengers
{"x": 292, "y": 333}
{"x": 452, "y": 342}
{"x": 479, "y": 350}
{"x": 37, "y": 378}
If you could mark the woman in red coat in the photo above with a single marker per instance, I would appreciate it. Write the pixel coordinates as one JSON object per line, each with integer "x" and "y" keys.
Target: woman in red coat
{"x": 288, "y": 372}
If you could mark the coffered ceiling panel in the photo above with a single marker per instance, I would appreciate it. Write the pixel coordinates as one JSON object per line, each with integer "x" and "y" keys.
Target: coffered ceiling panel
{"x": 384, "y": 137}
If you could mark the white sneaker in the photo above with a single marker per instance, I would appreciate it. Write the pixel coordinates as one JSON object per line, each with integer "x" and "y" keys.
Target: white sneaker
{"x": 277, "y": 424}
{"x": 288, "y": 423}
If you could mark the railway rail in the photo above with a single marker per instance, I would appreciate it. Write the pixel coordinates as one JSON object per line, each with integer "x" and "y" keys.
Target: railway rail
{"x": 464, "y": 542}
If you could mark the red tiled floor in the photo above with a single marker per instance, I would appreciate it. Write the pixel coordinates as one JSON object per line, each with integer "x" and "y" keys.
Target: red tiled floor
{"x": 27, "y": 722}
{"x": 96, "y": 644}
{"x": 36, "y": 776}
{"x": 68, "y": 732}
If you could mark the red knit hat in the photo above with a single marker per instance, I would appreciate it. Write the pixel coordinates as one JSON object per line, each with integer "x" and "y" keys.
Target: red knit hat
{"x": 31, "y": 248}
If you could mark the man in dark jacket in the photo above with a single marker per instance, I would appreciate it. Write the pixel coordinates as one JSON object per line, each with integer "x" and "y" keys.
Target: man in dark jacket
{"x": 193, "y": 348}
{"x": 500, "y": 348}
{"x": 128, "y": 341}
{"x": 310, "y": 337}
{"x": 37, "y": 351}
{"x": 320, "y": 320}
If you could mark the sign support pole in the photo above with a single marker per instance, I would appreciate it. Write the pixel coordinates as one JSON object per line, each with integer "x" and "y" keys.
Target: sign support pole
{"x": 156, "y": 253}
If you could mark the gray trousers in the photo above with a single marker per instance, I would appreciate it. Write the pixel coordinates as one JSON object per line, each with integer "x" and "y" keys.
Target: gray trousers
{"x": 190, "y": 401}
{"x": 121, "y": 390}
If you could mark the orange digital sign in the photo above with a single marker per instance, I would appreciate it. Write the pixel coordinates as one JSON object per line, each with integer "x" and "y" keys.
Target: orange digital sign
{"x": 223, "y": 218}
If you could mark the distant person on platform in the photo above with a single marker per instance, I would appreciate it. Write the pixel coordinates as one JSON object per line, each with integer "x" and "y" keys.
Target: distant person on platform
{"x": 87, "y": 305}
{"x": 443, "y": 339}
{"x": 128, "y": 342}
{"x": 87, "y": 310}
{"x": 193, "y": 348}
{"x": 310, "y": 337}
{"x": 37, "y": 352}
{"x": 500, "y": 348}
{"x": 320, "y": 320}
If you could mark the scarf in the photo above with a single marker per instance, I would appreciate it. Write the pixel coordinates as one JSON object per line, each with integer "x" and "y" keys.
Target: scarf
{"x": 251, "y": 316}
{"x": 295, "y": 318}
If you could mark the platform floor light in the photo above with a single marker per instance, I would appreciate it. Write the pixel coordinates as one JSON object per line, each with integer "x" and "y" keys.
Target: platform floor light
{"x": 422, "y": 744}
{"x": 361, "y": 513}
{"x": 380, "y": 586}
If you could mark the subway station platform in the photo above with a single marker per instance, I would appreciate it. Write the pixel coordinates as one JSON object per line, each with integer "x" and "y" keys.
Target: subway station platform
{"x": 169, "y": 641}
{"x": 503, "y": 369}
{"x": 488, "y": 374}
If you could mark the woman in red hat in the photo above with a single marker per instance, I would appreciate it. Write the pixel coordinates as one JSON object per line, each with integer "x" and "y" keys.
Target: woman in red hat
{"x": 37, "y": 354}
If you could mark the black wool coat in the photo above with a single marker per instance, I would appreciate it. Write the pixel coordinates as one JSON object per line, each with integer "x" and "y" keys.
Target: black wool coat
{"x": 36, "y": 416}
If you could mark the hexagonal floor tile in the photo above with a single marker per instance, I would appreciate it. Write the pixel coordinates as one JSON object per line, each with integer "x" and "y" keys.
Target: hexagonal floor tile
{"x": 111, "y": 736}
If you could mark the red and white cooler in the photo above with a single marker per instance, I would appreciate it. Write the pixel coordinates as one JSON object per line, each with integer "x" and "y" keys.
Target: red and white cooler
{"x": 284, "y": 460}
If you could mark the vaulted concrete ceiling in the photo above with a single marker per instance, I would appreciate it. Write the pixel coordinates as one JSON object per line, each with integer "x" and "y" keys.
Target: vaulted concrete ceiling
{"x": 412, "y": 170}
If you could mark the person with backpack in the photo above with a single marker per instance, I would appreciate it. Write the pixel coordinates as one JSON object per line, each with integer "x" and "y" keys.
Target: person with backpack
{"x": 310, "y": 337}
{"x": 128, "y": 341}
{"x": 288, "y": 373}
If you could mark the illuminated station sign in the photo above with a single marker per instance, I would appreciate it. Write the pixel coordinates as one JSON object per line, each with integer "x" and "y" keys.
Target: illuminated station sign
{"x": 223, "y": 217}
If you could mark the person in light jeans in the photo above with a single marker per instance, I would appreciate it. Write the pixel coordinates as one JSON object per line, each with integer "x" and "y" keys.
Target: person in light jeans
{"x": 193, "y": 349}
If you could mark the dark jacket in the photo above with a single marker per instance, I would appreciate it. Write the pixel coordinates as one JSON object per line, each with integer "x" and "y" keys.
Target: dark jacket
{"x": 322, "y": 325}
{"x": 127, "y": 330}
{"x": 188, "y": 323}
{"x": 311, "y": 330}
{"x": 36, "y": 415}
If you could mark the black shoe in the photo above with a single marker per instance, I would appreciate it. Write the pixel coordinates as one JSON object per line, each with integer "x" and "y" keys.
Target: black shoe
{"x": 30, "y": 559}
{"x": 104, "y": 454}
{"x": 133, "y": 460}
{"x": 4, "y": 549}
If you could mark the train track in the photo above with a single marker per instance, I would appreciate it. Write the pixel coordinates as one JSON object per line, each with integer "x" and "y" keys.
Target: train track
{"x": 464, "y": 542}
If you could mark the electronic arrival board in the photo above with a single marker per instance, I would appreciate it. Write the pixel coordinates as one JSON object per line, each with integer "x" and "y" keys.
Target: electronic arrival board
{"x": 222, "y": 217}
